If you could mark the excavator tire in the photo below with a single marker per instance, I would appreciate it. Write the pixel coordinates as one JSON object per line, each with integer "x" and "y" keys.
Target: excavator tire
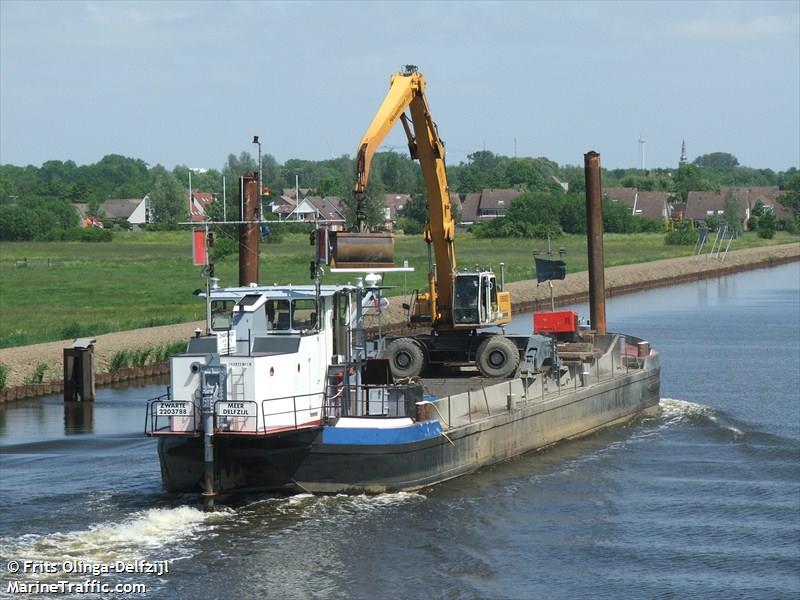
{"x": 406, "y": 357}
{"x": 497, "y": 356}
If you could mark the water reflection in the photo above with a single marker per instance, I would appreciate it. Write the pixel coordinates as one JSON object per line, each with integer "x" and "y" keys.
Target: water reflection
{"x": 78, "y": 417}
{"x": 702, "y": 293}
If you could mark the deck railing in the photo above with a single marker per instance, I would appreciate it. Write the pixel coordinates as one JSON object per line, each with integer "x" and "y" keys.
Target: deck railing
{"x": 171, "y": 417}
{"x": 372, "y": 400}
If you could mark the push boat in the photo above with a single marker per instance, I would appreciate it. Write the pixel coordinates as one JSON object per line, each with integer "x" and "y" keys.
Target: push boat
{"x": 283, "y": 393}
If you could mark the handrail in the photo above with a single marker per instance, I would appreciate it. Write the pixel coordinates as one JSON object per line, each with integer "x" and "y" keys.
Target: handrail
{"x": 152, "y": 416}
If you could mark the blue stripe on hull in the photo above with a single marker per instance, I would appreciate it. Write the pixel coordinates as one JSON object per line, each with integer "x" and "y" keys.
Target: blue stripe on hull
{"x": 368, "y": 436}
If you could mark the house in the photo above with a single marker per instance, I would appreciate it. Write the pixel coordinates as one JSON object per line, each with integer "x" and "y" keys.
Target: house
{"x": 769, "y": 196}
{"x": 286, "y": 202}
{"x": 315, "y": 208}
{"x": 702, "y": 205}
{"x": 296, "y": 194}
{"x": 677, "y": 211}
{"x": 282, "y": 205}
{"x": 649, "y": 205}
{"x": 134, "y": 210}
{"x": 469, "y": 208}
{"x": 455, "y": 203}
{"x": 487, "y": 205}
{"x": 625, "y": 195}
{"x": 652, "y": 205}
{"x": 198, "y": 202}
{"x": 393, "y": 207}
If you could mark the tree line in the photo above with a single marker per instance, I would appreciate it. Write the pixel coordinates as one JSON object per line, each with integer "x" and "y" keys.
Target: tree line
{"x": 47, "y": 192}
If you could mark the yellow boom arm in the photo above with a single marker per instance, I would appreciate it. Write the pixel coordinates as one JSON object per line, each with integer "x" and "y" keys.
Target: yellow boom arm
{"x": 407, "y": 90}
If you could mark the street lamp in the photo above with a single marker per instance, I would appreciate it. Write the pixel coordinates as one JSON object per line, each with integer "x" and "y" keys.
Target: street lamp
{"x": 260, "y": 182}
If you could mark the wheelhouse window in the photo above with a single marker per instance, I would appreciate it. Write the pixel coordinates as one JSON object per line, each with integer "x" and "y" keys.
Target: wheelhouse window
{"x": 221, "y": 314}
{"x": 277, "y": 314}
{"x": 304, "y": 313}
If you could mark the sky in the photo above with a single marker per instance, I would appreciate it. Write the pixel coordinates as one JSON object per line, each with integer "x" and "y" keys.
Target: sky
{"x": 189, "y": 83}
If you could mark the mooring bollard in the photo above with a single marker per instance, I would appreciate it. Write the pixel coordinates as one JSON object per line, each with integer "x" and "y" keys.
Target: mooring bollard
{"x": 79, "y": 370}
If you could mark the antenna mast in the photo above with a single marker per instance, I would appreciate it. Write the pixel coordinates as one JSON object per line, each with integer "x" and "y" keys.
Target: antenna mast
{"x": 642, "y": 142}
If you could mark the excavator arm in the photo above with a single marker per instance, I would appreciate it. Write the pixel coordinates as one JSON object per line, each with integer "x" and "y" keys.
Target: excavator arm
{"x": 407, "y": 91}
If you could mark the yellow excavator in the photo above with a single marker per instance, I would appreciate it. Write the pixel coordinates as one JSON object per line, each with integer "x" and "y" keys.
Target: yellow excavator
{"x": 458, "y": 305}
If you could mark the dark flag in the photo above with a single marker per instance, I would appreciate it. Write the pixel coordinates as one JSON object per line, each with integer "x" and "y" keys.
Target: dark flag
{"x": 550, "y": 269}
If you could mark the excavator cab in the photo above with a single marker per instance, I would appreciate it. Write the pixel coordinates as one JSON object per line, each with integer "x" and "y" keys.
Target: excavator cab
{"x": 477, "y": 301}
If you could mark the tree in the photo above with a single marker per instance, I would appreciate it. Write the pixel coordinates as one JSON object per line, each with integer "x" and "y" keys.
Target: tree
{"x": 371, "y": 204}
{"x": 236, "y": 166}
{"x": 36, "y": 219}
{"x": 398, "y": 173}
{"x": 717, "y": 160}
{"x": 330, "y": 186}
{"x": 767, "y": 225}
{"x": 617, "y": 218}
{"x": 414, "y": 215}
{"x": 733, "y": 214}
{"x": 168, "y": 199}
{"x": 572, "y": 214}
{"x": 791, "y": 199}
{"x": 689, "y": 178}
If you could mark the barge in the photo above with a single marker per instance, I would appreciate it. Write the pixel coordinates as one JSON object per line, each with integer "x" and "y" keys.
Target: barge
{"x": 284, "y": 395}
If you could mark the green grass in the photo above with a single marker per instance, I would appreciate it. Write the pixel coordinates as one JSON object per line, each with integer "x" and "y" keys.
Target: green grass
{"x": 147, "y": 278}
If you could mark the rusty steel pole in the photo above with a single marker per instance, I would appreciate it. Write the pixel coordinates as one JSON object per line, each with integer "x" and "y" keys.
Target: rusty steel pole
{"x": 248, "y": 232}
{"x": 594, "y": 234}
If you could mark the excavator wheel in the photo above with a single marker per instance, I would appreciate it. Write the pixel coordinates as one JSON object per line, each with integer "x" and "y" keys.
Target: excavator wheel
{"x": 406, "y": 357}
{"x": 497, "y": 356}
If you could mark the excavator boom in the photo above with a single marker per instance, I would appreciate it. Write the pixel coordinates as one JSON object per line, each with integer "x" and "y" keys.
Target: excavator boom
{"x": 407, "y": 91}
{"x": 457, "y": 305}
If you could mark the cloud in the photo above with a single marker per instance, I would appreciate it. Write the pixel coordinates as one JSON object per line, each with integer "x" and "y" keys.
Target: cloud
{"x": 756, "y": 29}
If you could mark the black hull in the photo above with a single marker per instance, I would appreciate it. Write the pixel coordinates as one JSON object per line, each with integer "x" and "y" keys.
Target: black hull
{"x": 300, "y": 461}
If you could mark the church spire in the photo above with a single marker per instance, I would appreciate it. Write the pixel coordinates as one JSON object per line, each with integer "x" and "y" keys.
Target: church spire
{"x": 684, "y": 159}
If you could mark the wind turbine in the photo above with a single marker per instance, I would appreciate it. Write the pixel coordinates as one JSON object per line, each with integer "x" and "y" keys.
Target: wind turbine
{"x": 642, "y": 142}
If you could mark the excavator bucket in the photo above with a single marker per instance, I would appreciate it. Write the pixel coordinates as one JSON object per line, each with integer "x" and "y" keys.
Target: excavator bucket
{"x": 362, "y": 250}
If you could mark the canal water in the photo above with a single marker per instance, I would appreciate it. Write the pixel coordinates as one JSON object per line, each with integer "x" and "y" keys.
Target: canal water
{"x": 700, "y": 501}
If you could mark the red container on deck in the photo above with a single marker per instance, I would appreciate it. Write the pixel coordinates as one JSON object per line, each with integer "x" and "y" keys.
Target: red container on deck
{"x": 561, "y": 321}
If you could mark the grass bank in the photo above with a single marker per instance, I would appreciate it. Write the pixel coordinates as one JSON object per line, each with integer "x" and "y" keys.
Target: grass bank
{"x": 58, "y": 290}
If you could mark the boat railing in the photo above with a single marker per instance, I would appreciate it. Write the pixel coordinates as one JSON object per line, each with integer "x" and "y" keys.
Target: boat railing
{"x": 238, "y": 416}
{"x": 372, "y": 400}
{"x": 165, "y": 416}
{"x": 277, "y": 415}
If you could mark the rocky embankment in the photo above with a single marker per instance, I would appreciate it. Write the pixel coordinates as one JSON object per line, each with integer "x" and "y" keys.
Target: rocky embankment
{"x": 526, "y": 296}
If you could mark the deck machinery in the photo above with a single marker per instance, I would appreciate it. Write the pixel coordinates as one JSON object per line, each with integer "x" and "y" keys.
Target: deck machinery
{"x": 458, "y": 306}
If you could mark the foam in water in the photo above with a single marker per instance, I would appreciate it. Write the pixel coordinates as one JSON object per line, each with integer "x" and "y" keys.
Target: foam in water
{"x": 675, "y": 411}
{"x": 309, "y": 506}
{"x": 669, "y": 413}
{"x": 144, "y": 531}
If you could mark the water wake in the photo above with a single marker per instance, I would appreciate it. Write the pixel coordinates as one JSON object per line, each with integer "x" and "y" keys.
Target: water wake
{"x": 309, "y": 506}
{"x": 667, "y": 415}
{"x": 674, "y": 411}
{"x": 143, "y": 533}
